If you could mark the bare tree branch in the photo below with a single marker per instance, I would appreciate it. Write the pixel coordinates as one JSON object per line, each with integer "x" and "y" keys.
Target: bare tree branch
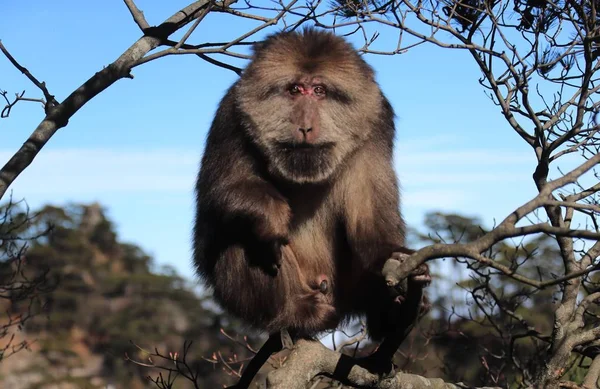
{"x": 18, "y": 97}
{"x": 59, "y": 115}
{"x": 138, "y": 15}
{"x": 50, "y": 100}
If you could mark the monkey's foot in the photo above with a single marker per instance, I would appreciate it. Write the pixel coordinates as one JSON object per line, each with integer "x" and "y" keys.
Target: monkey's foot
{"x": 378, "y": 364}
{"x": 317, "y": 313}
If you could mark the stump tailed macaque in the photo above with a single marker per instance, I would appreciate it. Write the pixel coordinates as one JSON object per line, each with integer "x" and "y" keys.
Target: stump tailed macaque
{"x": 297, "y": 198}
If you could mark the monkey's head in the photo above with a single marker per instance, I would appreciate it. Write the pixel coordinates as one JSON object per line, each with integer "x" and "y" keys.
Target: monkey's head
{"x": 308, "y": 101}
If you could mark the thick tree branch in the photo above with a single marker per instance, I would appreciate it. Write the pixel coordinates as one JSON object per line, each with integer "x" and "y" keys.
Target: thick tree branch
{"x": 309, "y": 359}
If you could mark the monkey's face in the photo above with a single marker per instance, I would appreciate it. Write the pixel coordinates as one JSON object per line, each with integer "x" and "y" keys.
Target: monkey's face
{"x": 308, "y": 103}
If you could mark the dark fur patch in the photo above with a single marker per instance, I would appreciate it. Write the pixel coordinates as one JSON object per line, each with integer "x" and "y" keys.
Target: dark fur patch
{"x": 305, "y": 161}
{"x": 313, "y": 50}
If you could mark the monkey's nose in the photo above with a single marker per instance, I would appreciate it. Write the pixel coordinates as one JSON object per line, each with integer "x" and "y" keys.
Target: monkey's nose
{"x": 305, "y": 131}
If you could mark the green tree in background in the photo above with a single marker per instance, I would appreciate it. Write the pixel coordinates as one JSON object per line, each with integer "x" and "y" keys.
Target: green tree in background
{"x": 17, "y": 285}
{"x": 106, "y": 302}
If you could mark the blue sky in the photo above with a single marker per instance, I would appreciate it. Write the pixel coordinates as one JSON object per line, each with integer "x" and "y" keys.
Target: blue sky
{"x": 136, "y": 147}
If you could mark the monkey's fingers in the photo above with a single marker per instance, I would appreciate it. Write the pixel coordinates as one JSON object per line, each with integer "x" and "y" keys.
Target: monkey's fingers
{"x": 421, "y": 275}
{"x": 422, "y": 269}
{"x": 422, "y": 279}
{"x": 399, "y": 256}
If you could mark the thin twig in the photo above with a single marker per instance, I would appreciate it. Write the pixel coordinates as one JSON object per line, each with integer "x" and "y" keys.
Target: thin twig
{"x": 41, "y": 85}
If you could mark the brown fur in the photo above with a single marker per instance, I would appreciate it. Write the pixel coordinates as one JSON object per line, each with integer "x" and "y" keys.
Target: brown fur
{"x": 297, "y": 194}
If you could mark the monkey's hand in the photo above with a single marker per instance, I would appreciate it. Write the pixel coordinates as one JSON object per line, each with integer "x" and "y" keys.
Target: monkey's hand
{"x": 420, "y": 275}
{"x": 271, "y": 228}
{"x": 272, "y": 255}
{"x": 418, "y": 278}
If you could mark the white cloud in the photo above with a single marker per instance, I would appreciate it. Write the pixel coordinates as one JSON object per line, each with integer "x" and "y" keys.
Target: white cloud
{"x": 82, "y": 171}
{"x": 487, "y": 182}
{"x": 502, "y": 158}
{"x": 439, "y": 178}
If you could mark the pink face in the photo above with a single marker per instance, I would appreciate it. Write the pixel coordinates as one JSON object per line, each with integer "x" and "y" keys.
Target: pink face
{"x": 307, "y": 113}
{"x": 306, "y": 97}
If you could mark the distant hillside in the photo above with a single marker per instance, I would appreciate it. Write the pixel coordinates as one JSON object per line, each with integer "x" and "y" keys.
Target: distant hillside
{"x": 103, "y": 295}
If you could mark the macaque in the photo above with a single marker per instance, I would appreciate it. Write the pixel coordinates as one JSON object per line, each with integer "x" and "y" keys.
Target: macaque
{"x": 297, "y": 199}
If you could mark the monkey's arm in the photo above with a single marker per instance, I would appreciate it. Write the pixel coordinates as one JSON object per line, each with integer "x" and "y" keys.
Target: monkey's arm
{"x": 231, "y": 193}
{"x": 371, "y": 209}
{"x": 375, "y": 233}
{"x": 374, "y": 226}
{"x": 254, "y": 202}
{"x": 238, "y": 202}
{"x": 251, "y": 210}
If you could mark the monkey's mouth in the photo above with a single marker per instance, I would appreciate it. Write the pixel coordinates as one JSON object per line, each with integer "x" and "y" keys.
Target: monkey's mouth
{"x": 291, "y": 146}
{"x": 305, "y": 162}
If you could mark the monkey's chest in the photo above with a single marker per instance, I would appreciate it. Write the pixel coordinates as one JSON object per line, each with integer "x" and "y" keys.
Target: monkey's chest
{"x": 312, "y": 243}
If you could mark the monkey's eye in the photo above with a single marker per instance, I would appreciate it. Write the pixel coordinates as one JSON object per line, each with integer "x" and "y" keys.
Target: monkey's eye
{"x": 319, "y": 90}
{"x": 295, "y": 89}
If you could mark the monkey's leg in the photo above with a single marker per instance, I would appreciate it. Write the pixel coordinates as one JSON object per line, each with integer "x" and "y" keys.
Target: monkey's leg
{"x": 276, "y": 342}
{"x": 401, "y": 314}
{"x": 407, "y": 315}
{"x": 409, "y": 306}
